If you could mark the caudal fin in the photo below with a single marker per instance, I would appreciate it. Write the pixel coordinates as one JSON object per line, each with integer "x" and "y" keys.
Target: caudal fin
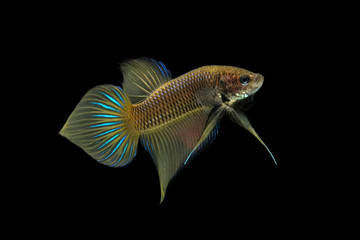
{"x": 98, "y": 125}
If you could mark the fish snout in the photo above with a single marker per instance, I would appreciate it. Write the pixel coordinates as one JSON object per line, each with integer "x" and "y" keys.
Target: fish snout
{"x": 258, "y": 80}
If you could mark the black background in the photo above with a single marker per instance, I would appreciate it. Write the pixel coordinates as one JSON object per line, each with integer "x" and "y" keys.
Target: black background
{"x": 235, "y": 171}
{"x": 83, "y": 49}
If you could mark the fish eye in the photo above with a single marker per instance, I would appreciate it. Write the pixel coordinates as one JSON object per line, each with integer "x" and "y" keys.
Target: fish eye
{"x": 245, "y": 79}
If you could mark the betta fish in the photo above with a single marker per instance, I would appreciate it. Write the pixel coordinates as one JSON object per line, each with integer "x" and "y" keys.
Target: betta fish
{"x": 173, "y": 118}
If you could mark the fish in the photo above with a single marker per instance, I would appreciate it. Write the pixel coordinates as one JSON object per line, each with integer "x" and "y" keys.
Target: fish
{"x": 174, "y": 119}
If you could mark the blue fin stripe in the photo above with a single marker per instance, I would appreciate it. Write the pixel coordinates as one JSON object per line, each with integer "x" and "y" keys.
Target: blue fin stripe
{"x": 187, "y": 159}
{"x": 210, "y": 138}
{"x": 130, "y": 156}
{"x": 110, "y": 140}
{"x": 117, "y": 93}
{"x": 163, "y": 69}
{"x": 161, "y": 66}
{"x": 104, "y": 133}
{"x": 147, "y": 147}
{"x": 105, "y": 124}
{"x": 117, "y": 146}
{"x": 112, "y": 99}
{"x": 122, "y": 155}
{"x": 105, "y": 116}
{"x": 145, "y": 144}
{"x": 152, "y": 150}
{"x": 157, "y": 65}
{"x": 105, "y": 106}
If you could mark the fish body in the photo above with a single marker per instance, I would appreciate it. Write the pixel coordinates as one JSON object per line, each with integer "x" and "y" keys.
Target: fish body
{"x": 174, "y": 119}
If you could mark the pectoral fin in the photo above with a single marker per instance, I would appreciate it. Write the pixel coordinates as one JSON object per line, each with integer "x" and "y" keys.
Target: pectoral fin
{"x": 241, "y": 119}
{"x": 208, "y": 135}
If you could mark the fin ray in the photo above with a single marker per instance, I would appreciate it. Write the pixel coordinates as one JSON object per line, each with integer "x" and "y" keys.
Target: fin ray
{"x": 241, "y": 119}
{"x": 170, "y": 145}
{"x": 208, "y": 135}
{"x": 142, "y": 77}
{"x": 98, "y": 126}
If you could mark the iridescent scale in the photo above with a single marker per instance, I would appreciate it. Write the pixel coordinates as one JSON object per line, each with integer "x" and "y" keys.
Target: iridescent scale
{"x": 171, "y": 101}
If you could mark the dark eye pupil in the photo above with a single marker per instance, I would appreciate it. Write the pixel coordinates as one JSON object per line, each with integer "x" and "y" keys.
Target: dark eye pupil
{"x": 244, "y": 79}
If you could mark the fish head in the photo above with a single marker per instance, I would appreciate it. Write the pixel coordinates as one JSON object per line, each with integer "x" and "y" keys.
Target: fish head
{"x": 237, "y": 84}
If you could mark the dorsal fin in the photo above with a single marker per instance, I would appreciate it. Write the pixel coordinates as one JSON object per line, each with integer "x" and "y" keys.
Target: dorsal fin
{"x": 143, "y": 76}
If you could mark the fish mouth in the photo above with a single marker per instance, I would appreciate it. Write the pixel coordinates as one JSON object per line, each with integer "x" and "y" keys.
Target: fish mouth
{"x": 259, "y": 80}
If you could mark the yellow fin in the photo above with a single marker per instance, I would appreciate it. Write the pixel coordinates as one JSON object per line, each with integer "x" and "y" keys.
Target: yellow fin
{"x": 143, "y": 76}
{"x": 209, "y": 133}
{"x": 171, "y": 144}
{"x": 98, "y": 125}
{"x": 241, "y": 119}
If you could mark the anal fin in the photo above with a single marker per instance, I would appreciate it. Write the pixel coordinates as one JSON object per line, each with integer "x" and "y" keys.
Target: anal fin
{"x": 171, "y": 144}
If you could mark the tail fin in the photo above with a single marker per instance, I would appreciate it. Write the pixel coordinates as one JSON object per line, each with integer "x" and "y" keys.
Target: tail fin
{"x": 98, "y": 125}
